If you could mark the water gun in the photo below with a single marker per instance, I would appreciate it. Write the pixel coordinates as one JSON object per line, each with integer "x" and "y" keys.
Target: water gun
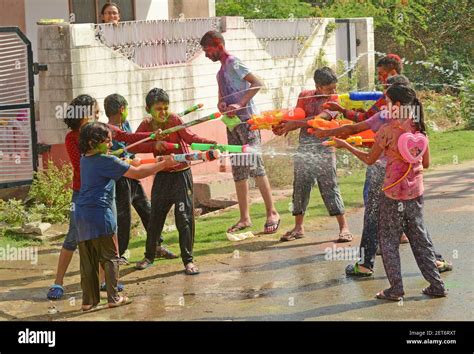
{"x": 321, "y": 123}
{"x": 356, "y": 140}
{"x": 355, "y": 100}
{"x": 223, "y": 148}
{"x": 210, "y": 155}
{"x": 191, "y": 123}
{"x": 118, "y": 152}
{"x": 191, "y": 109}
{"x": 269, "y": 119}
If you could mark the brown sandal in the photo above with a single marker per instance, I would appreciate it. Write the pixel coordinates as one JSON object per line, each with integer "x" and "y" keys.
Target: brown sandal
{"x": 345, "y": 237}
{"x": 433, "y": 293}
{"x": 291, "y": 236}
{"x": 382, "y": 296}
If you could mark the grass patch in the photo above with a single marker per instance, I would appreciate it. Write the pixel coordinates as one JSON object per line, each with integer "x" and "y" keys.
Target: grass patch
{"x": 446, "y": 147}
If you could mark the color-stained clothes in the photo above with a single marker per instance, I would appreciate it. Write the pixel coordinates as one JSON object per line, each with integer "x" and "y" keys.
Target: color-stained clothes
{"x": 232, "y": 86}
{"x": 72, "y": 148}
{"x": 183, "y": 137}
{"x": 94, "y": 208}
{"x": 411, "y": 186}
{"x": 312, "y": 105}
{"x": 377, "y": 120}
{"x": 357, "y": 117}
{"x": 117, "y": 144}
{"x": 396, "y": 217}
{"x": 315, "y": 163}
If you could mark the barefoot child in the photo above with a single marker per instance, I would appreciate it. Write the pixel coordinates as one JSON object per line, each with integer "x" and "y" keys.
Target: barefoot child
{"x": 173, "y": 185}
{"x": 402, "y": 202}
{"x": 313, "y": 162}
{"x": 95, "y": 219}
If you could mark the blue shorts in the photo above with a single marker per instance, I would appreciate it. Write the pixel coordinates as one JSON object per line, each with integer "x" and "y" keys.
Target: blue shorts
{"x": 70, "y": 242}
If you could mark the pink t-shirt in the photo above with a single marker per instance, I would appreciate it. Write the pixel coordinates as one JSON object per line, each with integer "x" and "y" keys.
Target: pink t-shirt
{"x": 411, "y": 186}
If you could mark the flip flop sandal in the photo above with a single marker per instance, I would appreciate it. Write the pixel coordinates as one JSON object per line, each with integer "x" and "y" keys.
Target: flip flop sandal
{"x": 445, "y": 267}
{"x": 94, "y": 308}
{"x": 271, "y": 225}
{"x": 291, "y": 236}
{"x": 143, "y": 264}
{"x": 55, "y": 292}
{"x": 353, "y": 270}
{"x": 124, "y": 300}
{"x": 120, "y": 287}
{"x": 430, "y": 292}
{"x": 382, "y": 296}
{"x": 345, "y": 237}
{"x": 236, "y": 228}
{"x": 191, "y": 270}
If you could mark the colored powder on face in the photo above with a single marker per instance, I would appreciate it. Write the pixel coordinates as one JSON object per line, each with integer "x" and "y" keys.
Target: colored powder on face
{"x": 102, "y": 148}
{"x": 157, "y": 116}
{"x": 124, "y": 114}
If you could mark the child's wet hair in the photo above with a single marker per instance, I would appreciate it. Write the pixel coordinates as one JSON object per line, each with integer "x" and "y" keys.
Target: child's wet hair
{"x": 212, "y": 39}
{"x": 391, "y": 62}
{"x": 324, "y": 76}
{"x": 80, "y": 108}
{"x": 91, "y": 135}
{"x": 113, "y": 103}
{"x": 407, "y": 97}
{"x": 156, "y": 95}
{"x": 398, "y": 80}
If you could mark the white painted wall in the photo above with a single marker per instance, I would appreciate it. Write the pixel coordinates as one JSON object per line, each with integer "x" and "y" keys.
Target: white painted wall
{"x": 36, "y": 10}
{"x": 151, "y": 10}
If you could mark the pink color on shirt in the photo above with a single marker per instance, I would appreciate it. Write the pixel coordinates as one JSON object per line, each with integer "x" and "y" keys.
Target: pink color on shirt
{"x": 411, "y": 186}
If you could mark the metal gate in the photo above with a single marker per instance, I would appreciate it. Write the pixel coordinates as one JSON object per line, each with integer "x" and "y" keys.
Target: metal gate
{"x": 18, "y": 155}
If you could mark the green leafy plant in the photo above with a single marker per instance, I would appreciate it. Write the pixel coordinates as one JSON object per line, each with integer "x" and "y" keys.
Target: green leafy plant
{"x": 13, "y": 212}
{"x": 51, "y": 193}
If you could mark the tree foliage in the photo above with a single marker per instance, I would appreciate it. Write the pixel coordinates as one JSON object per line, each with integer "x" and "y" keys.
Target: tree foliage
{"x": 435, "y": 37}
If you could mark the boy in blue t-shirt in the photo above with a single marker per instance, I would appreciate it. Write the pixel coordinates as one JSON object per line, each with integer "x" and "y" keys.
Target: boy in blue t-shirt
{"x": 94, "y": 212}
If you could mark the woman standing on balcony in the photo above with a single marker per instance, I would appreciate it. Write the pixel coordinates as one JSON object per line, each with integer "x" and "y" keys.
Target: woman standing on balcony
{"x": 110, "y": 13}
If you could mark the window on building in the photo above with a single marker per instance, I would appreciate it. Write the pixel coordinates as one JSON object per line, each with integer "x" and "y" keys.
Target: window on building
{"x": 88, "y": 11}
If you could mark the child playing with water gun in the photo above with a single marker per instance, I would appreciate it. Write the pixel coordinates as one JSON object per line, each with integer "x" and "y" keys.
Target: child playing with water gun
{"x": 173, "y": 185}
{"x": 402, "y": 202}
{"x": 128, "y": 191}
{"x": 314, "y": 162}
{"x": 94, "y": 212}
{"x": 237, "y": 87}
{"x": 81, "y": 110}
{"x": 375, "y": 175}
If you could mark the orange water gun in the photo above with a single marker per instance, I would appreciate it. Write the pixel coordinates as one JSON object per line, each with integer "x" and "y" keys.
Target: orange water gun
{"x": 355, "y": 140}
{"x": 269, "y": 119}
{"x": 321, "y": 123}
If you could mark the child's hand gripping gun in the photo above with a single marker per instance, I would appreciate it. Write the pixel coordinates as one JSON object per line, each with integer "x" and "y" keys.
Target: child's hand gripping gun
{"x": 320, "y": 123}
